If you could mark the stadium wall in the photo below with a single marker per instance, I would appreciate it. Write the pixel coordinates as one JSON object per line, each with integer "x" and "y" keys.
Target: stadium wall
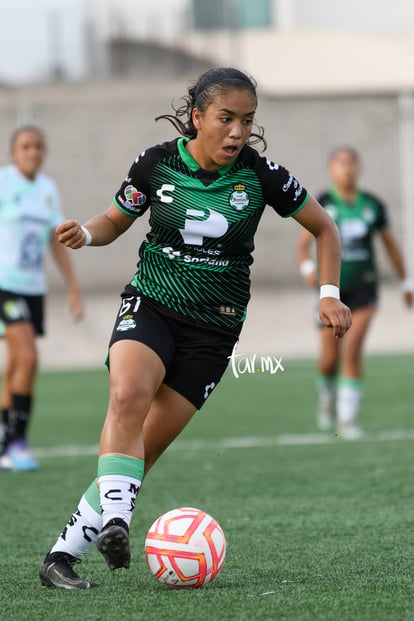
{"x": 96, "y": 129}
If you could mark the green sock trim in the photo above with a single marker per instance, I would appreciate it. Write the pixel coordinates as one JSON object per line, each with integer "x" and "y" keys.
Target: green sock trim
{"x": 352, "y": 382}
{"x": 92, "y": 497}
{"x": 121, "y": 464}
{"x": 326, "y": 380}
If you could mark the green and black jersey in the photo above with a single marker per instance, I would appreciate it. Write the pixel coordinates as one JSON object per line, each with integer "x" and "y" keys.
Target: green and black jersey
{"x": 195, "y": 259}
{"x": 357, "y": 223}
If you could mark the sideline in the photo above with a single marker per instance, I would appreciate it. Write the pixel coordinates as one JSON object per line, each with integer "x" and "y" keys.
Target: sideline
{"x": 294, "y": 439}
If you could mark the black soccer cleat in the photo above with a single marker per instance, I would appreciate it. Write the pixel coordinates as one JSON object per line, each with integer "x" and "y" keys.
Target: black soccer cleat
{"x": 113, "y": 544}
{"x": 57, "y": 571}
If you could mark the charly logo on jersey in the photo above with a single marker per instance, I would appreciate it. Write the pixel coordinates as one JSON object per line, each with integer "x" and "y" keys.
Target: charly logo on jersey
{"x": 162, "y": 192}
{"x": 171, "y": 253}
{"x": 239, "y": 198}
{"x": 127, "y": 323}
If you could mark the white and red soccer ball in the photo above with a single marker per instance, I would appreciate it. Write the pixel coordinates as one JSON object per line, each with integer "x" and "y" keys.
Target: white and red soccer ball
{"x": 185, "y": 548}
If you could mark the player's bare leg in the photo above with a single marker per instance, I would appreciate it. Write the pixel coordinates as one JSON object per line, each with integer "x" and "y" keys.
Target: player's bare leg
{"x": 170, "y": 412}
{"x": 168, "y": 415}
{"x": 328, "y": 369}
{"x": 350, "y": 384}
{"x": 17, "y": 395}
{"x": 136, "y": 373}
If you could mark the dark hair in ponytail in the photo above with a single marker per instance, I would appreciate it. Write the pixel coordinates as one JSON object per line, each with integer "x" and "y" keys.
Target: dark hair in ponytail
{"x": 201, "y": 94}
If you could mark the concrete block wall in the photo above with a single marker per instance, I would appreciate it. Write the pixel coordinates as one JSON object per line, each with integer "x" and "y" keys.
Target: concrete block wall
{"x": 95, "y": 130}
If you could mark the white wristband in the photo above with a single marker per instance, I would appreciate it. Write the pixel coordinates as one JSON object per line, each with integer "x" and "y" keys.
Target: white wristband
{"x": 407, "y": 285}
{"x": 329, "y": 291}
{"x": 307, "y": 267}
{"x": 88, "y": 236}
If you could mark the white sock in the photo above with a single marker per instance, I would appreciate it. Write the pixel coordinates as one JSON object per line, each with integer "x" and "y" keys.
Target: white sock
{"x": 327, "y": 395}
{"x": 348, "y": 400}
{"x": 118, "y": 493}
{"x": 81, "y": 530}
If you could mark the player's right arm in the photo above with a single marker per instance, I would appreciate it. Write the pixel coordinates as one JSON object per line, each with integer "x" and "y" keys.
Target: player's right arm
{"x": 307, "y": 265}
{"x": 103, "y": 228}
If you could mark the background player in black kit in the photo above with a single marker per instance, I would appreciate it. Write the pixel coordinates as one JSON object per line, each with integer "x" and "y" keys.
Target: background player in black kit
{"x": 183, "y": 310}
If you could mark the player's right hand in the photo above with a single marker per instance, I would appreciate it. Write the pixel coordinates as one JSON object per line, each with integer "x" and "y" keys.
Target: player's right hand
{"x": 70, "y": 234}
{"x": 334, "y": 314}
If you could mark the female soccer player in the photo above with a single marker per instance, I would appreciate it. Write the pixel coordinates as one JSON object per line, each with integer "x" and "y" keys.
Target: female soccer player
{"x": 29, "y": 212}
{"x": 359, "y": 216}
{"x": 183, "y": 310}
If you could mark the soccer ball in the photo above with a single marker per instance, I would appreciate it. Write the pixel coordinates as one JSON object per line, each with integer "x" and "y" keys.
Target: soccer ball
{"x": 185, "y": 548}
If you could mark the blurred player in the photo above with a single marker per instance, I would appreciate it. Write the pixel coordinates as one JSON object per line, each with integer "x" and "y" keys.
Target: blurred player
{"x": 183, "y": 310}
{"x": 359, "y": 216}
{"x": 29, "y": 213}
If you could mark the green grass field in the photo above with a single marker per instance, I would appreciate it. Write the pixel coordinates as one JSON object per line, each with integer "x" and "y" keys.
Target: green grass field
{"x": 315, "y": 530}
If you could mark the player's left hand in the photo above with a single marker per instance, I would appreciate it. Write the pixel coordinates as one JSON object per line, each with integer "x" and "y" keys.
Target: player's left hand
{"x": 334, "y": 314}
{"x": 76, "y": 306}
{"x": 408, "y": 298}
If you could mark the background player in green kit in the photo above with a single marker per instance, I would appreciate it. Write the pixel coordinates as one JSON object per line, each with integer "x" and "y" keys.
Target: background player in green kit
{"x": 359, "y": 216}
{"x": 29, "y": 212}
{"x": 183, "y": 310}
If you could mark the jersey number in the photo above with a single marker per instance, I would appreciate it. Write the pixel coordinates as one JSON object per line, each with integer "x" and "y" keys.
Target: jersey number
{"x": 214, "y": 225}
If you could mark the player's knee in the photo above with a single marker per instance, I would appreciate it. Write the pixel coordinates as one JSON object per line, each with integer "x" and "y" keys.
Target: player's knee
{"x": 328, "y": 366}
{"x": 27, "y": 359}
{"x": 129, "y": 401}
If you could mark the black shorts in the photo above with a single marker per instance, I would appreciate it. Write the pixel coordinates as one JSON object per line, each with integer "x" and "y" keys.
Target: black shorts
{"x": 361, "y": 296}
{"x": 195, "y": 355}
{"x": 15, "y": 307}
{"x": 357, "y": 298}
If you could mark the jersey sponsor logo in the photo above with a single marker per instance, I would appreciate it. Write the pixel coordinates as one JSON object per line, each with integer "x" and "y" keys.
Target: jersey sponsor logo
{"x": 166, "y": 187}
{"x": 271, "y": 165}
{"x": 31, "y": 253}
{"x": 296, "y": 185}
{"x": 331, "y": 211}
{"x": 227, "y": 310}
{"x": 239, "y": 199}
{"x": 288, "y": 183}
{"x": 212, "y": 225}
{"x": 188, "y": 258}
{"x": 352, "y": 232}
{"x": 353, "y": 229}
{"x": 368, "y": 215}
{"x": 133, "y": 196}
{"x": 206, "y": 261}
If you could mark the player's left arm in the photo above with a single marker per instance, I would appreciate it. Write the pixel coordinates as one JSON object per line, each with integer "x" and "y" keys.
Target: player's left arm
{"x": 396, "y": 258}
{"x": 314, "y": 219}
{"x": 61, "y": 256}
